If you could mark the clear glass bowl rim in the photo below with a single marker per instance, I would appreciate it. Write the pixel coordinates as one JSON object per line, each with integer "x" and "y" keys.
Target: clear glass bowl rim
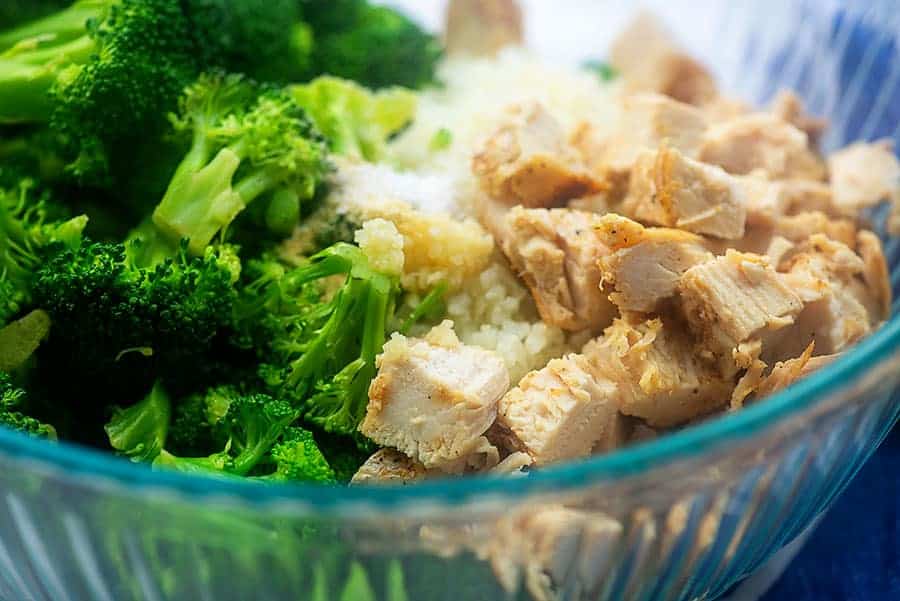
{"x": 79, "y": 461}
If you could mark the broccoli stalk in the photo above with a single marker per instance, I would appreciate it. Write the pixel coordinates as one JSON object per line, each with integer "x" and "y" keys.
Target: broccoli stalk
{"x": 246, "y": 144}
{"x": 323, "y": 348}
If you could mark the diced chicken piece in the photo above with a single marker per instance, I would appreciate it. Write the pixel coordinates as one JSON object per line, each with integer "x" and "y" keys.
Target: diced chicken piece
{"x": 483, "y": 27}
{"x": 528, "y": 161}
{"x": 723, "y": 108}
{"x": 778, "y": 238}
{"x": 647, "y": 120}
{"x": 659, "y": 375}
{"x": 433, "y": 399}
{"x": 761, "y": 142}
{"x": 768, "y": 201}
{"x": 875, "y": 274}
{"x": 645, "y": 264}
{"x": 668, "y": 188}
{"x": 561, "y": 412}
{"x": 388, "y": 466}
{"x": 840, "y": 305}
{"x": 736, "y": 298}
{"x": 555, "y": 252}
{"x": 863, "y": 175}
{"x": 651, "y": 61}
{"x": 786, "y": 373}
{"x": 546, "y": 547}
{"x": 788, "y": 107}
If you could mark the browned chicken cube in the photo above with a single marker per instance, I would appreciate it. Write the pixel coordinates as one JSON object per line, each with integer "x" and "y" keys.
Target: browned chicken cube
{"x": 562, "y": 412}
{"x": 555, "y": 252}
{"x": 651, "y": 61}
{"x": 845, "y": 296}
{"x": 483, "y": 27}
{"x": 645, "y": 264}
{"x": 761, "y": 142}
{"x": 863, "y": 175}
{"x": 529, "y": 162}
{"x": 434, "y": 398}
{"x": 668, "y": 188}
{"x": 659, "y": 375}
{"x": 388, "y": 466}
{"x": 737, "y": 298}
{"x": 768, "y": 201}
{"x": 788, "y": 107}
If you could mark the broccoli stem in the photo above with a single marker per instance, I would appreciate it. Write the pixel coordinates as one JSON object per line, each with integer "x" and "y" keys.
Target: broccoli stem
{"x": 58, "y": 27}
{"x": 28, "y": 77}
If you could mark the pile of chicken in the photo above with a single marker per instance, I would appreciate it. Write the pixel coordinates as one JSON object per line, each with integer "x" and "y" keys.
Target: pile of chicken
{"x": 712, "y": 252}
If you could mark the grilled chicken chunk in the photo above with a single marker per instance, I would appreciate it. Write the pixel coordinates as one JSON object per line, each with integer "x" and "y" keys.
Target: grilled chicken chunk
{"x": 388, "y": 466}
{"x": 737, "y": 298}
{"x": 763, "y": 142}
{"x": 483, "y": 27}
{"x": 659, "y": 375}
{"x": 844, "y": 296}
{"x": 768, "y": 201}
{"x": 645, "y": 264}
{"x": 668, "y": 188}
{"x": 863, "y": 175}
{"x": 555, "y": 252}
{"x": 433, "y": 399}
{"x": 562, "y": 412}
{"x": 529, "y": 162}
{"x": 651, "y": 61}
{"x": 647, "y": 120}
{"x": 788, "y": 107}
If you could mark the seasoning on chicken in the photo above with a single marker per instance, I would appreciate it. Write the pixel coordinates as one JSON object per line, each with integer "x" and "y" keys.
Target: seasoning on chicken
{"x": 737, "y": 298}
{"x": 388, "y": 466}
{"x": 840, "y": 305}
{"x": 668, "y": 188}
{"x": 555, "y": 252}
{"x": 651, "y": 61}
{"x": 659, "y": 376}
{"x": 646, "y": 121}
{"x": 528, "y": 161}
{"x": 788, "y": 372}
{"x": 761, "y": 141}
{"x": 645, "y": 264}
{"x": 562, "y": 412}
{"x": 863, "y": 175}
{"x": 434, "y": 398}
{"x": 483, "y": 27}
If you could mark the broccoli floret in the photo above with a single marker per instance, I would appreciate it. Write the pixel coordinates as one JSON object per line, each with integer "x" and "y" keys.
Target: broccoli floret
{"x": 117, "y": 327}
{"x": 264, "y": 39}
{"x": 28, "y": 231}
{"x": 103, "y": 73}
{"x": 356, "y": 121}
{"x": 374, "y": 45}
{"x": 247, "y": 143}
{"x": 245, "y": 426}
{"x": 297, "y": 457}
{"x": 139, "y": 431}
{"x": 323, "y": 352}
{"x": 12, "y": 400}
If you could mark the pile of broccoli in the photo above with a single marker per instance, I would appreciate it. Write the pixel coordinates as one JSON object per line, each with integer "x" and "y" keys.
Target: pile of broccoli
{"x": 154, "y": 155}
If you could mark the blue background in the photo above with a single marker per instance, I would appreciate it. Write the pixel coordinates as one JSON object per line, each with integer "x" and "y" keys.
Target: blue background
{"x": 853, "y": 554}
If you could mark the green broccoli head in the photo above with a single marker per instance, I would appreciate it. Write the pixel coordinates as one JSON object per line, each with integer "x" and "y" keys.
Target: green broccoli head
{"x": 246, "y": 143}
{"x": 297, "y": 458}
{"x": 29, "y": 230}
{"x": 12, "y": 400}
{"x": 356, "y": 121}
{"x": 265, "y": 39}
{"x": 117, "y": 327}
{"x": 376, "y": 46}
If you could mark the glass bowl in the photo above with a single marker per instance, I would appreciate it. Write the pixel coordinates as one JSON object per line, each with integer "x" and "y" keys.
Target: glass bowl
{"x": 682, "y": 517}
